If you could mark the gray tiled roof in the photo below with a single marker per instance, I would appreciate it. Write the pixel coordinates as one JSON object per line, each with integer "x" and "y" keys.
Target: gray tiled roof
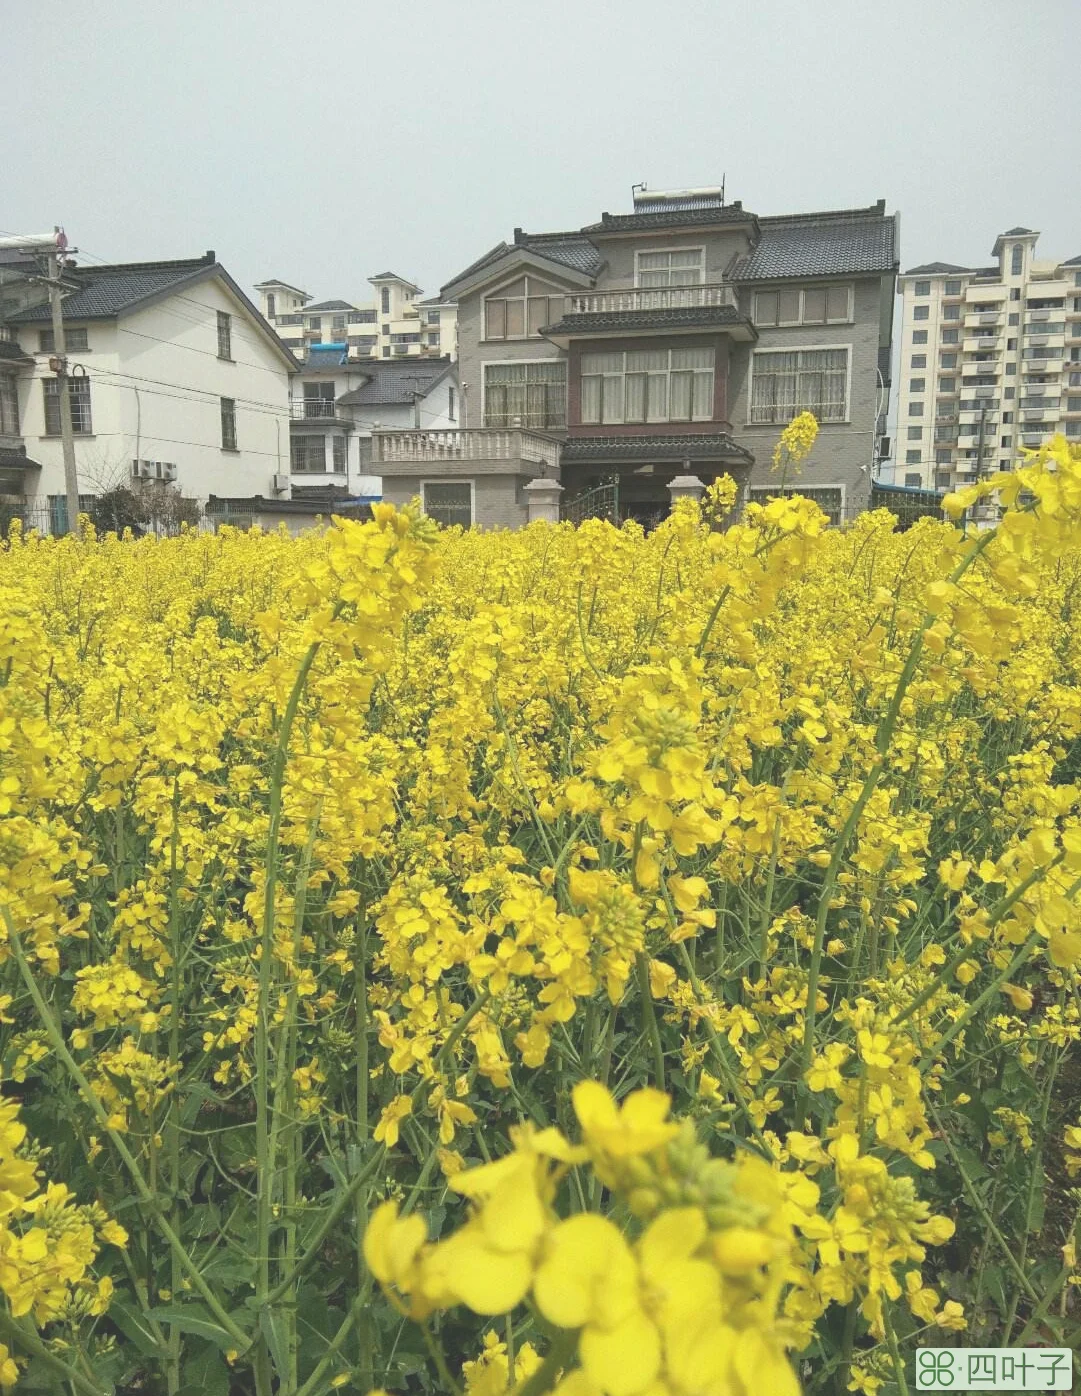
{"x": 1015, "y": 232}
{"x": 108, "y": 291}
{"x": 692, "y": 217}
{"x": 1073, "y": 262}
{"x": 598, "y": 449}
{"x": 17, "y": 460}
{"x": 578, "y": 253}
{"x": 330, "y": 305}
{"x": 393, "y": 276}
{"x": 683, "y": 317}
{"x": 394, "y": 383}
{"x": 934, "y": 268}
{"x": 11, "y": 352}
{"x": 821, "y": 244}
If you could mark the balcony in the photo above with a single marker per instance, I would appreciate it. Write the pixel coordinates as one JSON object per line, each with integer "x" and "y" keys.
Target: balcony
{"x": 983, "y": 320}
{"x": 650, "y": 309}
{"x": 981, "y": 344}
{"x": 318, "y": 409}
{"x": 1050, "y": 366}
{"x": 465, "y": 451}
{"x": 981, "y": 291}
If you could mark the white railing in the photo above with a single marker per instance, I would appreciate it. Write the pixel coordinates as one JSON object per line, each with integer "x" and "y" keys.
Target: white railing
{"x": 432, "y": 446}
{"x": 312, "y": 408}
{"x": 647, "y": 298}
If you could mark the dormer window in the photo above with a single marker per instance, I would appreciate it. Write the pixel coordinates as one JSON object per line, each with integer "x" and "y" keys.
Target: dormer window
{"x": 684, "y": 266}
{"x": 522, "y": 309}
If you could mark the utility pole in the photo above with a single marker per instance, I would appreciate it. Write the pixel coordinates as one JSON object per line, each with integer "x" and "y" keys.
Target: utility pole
{"x": 53, "y": 245}
{"x": 59, "y": 362}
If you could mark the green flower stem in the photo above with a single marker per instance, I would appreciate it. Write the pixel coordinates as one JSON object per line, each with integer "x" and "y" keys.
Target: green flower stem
{"x": 649, "y": 1017}
{"x": 314, "y": 1384}
{"x": 29, "y": 1343}
{"x": 148, "y": 1199}
{"x": 898, "y": 1361}
{"x": 172, "y": 1121}
{"x": 438, "y": 1357}
{"x": 959, "y": 1024}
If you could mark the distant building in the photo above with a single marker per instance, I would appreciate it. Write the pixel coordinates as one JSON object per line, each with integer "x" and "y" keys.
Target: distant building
{"x": 395, "y": 324}
{"x": 176, "y": 379}
{"x": 989, "y": 354}
{"x": 670, "y": 344}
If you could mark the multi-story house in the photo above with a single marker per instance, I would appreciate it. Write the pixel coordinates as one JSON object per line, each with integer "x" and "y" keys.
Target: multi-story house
{"x": 338, "y": 402}
{"x": 990, "y": 362}
{"x": 676, "y": 340}
{"x": 175, "y": 377}
{"x": 394, "y": 325}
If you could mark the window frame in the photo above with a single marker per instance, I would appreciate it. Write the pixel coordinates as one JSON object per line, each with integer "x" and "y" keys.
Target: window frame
{"x": 47, "y": 340}
{"x": 486, "y": 364}
{"x": 306, "y": 437}
{"x": 9, "y": 416}
{"x": 451, "y": 480}
{"x": 623, "y": 375}
{"x": 225, "y": 336}
{"x": 75, "y": 389}
{"x": 653, "y": 251}
{"x": 225, "y": 444}
{"x": 339, "y": 467}
{"x": 801, "y": 290}
{"x": 801, "y": 349}
{"x": 525, "y": 298}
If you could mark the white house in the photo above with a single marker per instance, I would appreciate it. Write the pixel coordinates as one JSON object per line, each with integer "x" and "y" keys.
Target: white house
{"x": 176, "y": 377}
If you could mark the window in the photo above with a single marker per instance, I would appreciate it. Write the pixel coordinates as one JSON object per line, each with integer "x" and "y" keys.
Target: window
{"x": 913, "y": 478}
{"x": 943, "y": 455}
{"x": 1014, "y": 318}
{"x": 225, "y": 335}
{"x": 681, "y": 267}
{"x": 338, "y": 323}
{"x": 915, "y": 433}
{"x": 951, "y": 336}
{"x": 1073, "y": 404}
{"x": 787, "y": 382}
{"x": 814, "y": 305}
{"x": 532, "y": 395}
{"x": 449, "y": 502}
{"x": 648, "y": 385}
{"x": 1005, "y": 440}
{"x": 386, "y": 351}
{"x": 919, "y": 361}
{"x": 1017, "y": 259}
{"x": 947, "y": 385}
{"x": 1011, "y": 368}
{"x": 432, "y": 317}
{"x": 74, "y": 338}
{"x": 1011, "y": 344}
{"x": 270, "y": 305}
{"x": 228, "y": 424}
{"x": 361, "y": 317}
{"x": 522, "y": 309}
{"x": 452, "y": 404}
{"x": 9, "y": 406}
{"x": 915, "y": 409}
{"x": 315, "y": 322}
{"x": 953, "y": 288}
{"x": 1077, "y": 278}
{"x": 922, "y": 288}
{"x": 341, "y": 454}
{"x": 1009, "y": 393}
{"x": 947, "y": 361}
{"x": 78, "y": 397}
{"x": 921, "y": 312}
{"x": 952, "y": 311}
{"x": 384, "y": 299}
{"x": 1007, "y": 419}
{"x": 1015, "y": 293}
{"x": 912, "y": 458}
{"x": 944, "y": 433}
{"x": 58, "y": 511}
{"x": 916, "y": 385}
{"x": 919, "y": 336}
{"x": 308, "y": 455}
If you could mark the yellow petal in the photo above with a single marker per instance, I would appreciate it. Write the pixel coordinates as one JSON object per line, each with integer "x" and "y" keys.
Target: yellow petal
{"x": 624, "y": 1360}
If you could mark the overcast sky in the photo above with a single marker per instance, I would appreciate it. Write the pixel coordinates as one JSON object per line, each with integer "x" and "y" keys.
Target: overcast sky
{"x": 325, "y": 143}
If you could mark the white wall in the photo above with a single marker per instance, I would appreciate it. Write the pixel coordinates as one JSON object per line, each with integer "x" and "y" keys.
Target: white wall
{"x": 156, "y": 390}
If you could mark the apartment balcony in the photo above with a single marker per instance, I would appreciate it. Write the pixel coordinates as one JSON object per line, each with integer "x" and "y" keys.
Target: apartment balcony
{"x": 319, "y": 409}
{"x": 1033, "y": 436}
{"x": 465, "y": 451}
{"x": 982, "y": 344}
{"x": 985, "y": 320}
{"x": 1050, "y": 366}
{"x": 1048, "y": 413}
{"x": 639, "y": 310}
{"x": 982, "y": 291}
{"x": 1050, "y": 290}
{"x": 972, "y": 419}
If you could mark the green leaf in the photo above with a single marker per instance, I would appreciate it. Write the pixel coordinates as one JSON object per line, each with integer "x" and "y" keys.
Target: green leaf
{"x": 194, "y": 1319}
{"x": 205, "y": 1372}
{"x": 273, "y": 1330}
{"x": 135, "y": 1327}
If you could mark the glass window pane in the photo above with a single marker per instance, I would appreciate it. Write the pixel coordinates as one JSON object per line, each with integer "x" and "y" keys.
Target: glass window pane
{"x": 648, "y": 260}
{"x": 591, "y": 397}
{"x": 657, "y": 397}
{"x": 538, "y": 313}
{"x": 837, "y": 303}
{"x": 639, "y": 360}
{"x": 602, "y": 363}
{"x": 702, "y": 409}
{"x": 788, "y": 307}
{"x": 692, "y": 358}
{"x": 636, "y": 397}
{"x": 766, "y": 308}
{"x": 680, "y": 399}
{"x": 690, "y": 258}
{"x": 515, "y": 319}
{"x": 613, "y": 399}
{"x": 814, "y": 306}
{"x": 555, "y": 309}
{"x": 496, "y": 327}
{"x": 653, "y": 278}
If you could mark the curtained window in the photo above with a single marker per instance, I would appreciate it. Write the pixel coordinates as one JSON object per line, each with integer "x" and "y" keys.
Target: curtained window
{"x": 531, "y": 395}
{"x": 788, "y": 382}
{"x": 648, "y": 385}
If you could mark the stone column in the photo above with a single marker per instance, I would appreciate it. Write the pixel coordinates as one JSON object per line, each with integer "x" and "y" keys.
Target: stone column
{"x": 542, "y": 498}
{"x": 686, "y": 487}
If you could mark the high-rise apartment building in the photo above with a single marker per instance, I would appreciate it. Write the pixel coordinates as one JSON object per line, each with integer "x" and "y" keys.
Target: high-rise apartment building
{"x": 990, "y": 363}
{"x": 394, "y": 325}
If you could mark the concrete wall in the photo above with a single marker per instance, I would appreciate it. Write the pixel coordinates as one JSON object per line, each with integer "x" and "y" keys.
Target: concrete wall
{"x": 619, "y": 253}
{"x": 499, "y": 501}
{"x": 156, "y": 385}
{"x": 842, "y": 453}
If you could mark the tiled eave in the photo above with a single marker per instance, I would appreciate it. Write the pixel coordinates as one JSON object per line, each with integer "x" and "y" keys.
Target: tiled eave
{"x": 599, "y": 450}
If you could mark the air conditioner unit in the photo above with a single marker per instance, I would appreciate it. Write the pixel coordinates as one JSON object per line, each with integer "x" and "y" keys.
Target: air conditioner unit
{"x": 281, "y": 484}
{"x": 164, "y": 470}
{"x": 142, "y": 469}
